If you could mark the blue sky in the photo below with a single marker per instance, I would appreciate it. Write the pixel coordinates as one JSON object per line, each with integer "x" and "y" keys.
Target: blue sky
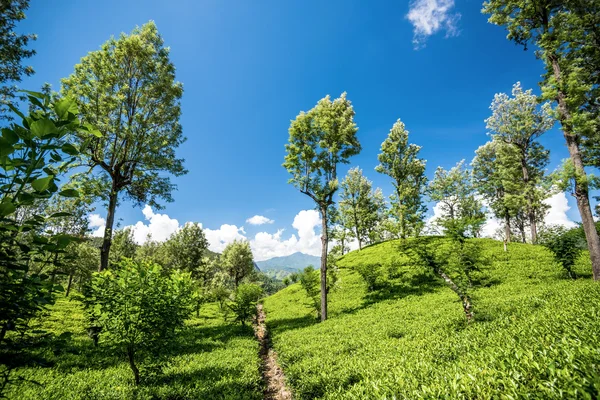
{"x": 248, "y": 68}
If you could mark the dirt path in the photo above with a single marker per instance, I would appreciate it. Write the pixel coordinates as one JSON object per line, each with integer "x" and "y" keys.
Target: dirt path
{"x": 275, "y": 388}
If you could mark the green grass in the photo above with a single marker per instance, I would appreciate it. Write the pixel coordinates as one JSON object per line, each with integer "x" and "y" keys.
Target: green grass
{"x": 536, "y": 333}
{"x": 210, "y": 359}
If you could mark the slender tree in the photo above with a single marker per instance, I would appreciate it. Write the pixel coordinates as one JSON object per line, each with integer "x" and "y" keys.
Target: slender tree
{"x": 519, "y": 122}
{"x": 14, "y": 51}
{"x": 127, "y": 89}
{"x": 566, "y": 34}
{"x": 497, "y": 177}
{"x": 320, "y": 140}
{"x": 399, "y": 160}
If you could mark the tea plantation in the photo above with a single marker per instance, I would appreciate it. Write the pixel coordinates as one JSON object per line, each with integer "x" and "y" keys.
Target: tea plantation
{"x": 210, "y": 359}
{"x": 535, "y": 333}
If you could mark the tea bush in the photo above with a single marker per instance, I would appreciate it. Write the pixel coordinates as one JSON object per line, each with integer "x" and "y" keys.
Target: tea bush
{"x": 535, "y": 334}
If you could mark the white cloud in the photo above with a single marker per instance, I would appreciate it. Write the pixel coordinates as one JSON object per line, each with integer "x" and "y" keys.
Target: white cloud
{"x": 306, "y": 222}
{"x": 218, "y": 239}
{"x": 431, "y": 16}
{"x": 306, "y": 239}
{"x": 557, "y": 215}
{"x": 160, "y": 226}
{"x": 259, "y": 220}
{"x": 97, "y": 223}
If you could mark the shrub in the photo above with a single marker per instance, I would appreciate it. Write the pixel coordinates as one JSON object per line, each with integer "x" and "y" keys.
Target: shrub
{"x": 371, "y": 273}
{"x": 138, "y": 307}
{"x": 565, "y": 244}
{"x": 244, "y": 303}
{"x": 310, "y": 282}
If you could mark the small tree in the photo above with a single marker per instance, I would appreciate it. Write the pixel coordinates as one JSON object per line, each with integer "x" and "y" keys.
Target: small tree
{"x": 360, "y": 208}
{"x": 244, "y": 302}
{"x": 138, "y": 307}
{"x": 399, "y": 160}
{"x": 237, "y": 260}
{"x": 454, "y": 191}
{"x": 309, "y": 280}
{"x": 127, "y": 89}
{"x": 320, "y": 139}
{"x": 187, "y": 248}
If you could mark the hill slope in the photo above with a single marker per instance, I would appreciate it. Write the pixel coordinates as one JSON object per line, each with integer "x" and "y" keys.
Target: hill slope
{"x": 280, "y": 267}
{"x": 535, "y": 333}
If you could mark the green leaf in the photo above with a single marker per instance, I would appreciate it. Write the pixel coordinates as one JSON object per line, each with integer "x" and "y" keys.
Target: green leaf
{"x": 16, "y": 111}
{"x": 42, "y": 184}
{"x": 60, "y": 214}
{"x": 10, "y": 136}
{"x": 7, "y": 208}
{"x": 43, "y": 127}
{"x": 34, "y": 94}
{"x": 6, "y": 148}
{"x": 64, "y": 107}
{"x": 69, "y": 193}
{"x": 70, "y": 149}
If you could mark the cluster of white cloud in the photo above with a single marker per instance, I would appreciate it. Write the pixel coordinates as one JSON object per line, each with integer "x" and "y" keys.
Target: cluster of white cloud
{"x": 431, "y": 16}
{"x": 259, "y": 220}
{"x": 264, "y": 245}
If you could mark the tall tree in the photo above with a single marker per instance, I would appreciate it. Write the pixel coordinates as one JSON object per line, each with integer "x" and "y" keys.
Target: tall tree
{"x": 399, "y": 160}
{"x": 519, "y": 122}
{"x": 320, "y": 139}
{"x": 497, "y": 177}
{"x": 238, "y": 261}
{"x": 13, "y": 52}
{"x": 566, "y": 34}
{"x": 461, "y": 209}
{"x": 127, "y": 89}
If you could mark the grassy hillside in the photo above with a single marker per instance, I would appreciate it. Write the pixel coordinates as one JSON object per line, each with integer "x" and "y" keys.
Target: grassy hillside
{"x": 536, "y": 333}
{"x": 211, "y": 359}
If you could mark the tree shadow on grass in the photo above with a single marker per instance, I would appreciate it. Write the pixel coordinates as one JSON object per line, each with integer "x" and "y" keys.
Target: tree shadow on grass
{"x": 285, "y": 324}
{"x": 413, "y": 285}
{"x": 204, "y": 383}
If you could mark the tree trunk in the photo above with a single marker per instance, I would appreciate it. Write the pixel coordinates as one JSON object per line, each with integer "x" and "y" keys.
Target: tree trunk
{"x": 324, "y": 242}
{"x": 69, "y": 284}
{"x": 110, "y": 220}
{"x": 134, "y": 368}
{"x": 581, "y": 187}
{"x": 530, "y": 210}
{"x": 466, "y": 301}
{"x": 507, "y": 228}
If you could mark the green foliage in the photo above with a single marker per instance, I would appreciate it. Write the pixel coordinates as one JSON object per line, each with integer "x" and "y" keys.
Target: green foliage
{"x": 399, "y": 159}
{"x": 310, "y": 282}
{"x": 372, "y": 274}
{"x": 566, "y": 244}
{"x": 244, "y": 302}
{"x": 187, "y": 248}
{"x": 13, "y": 47}
{"x": 462, "y": 210}
{"x": 33, "y": 159}
{"x": 535, "y": 335}
{"x": 207, "y": 359}
{"x": 137, "y": 307}
{"x": 237, "y": 260}
{"x": 360, "y": 208}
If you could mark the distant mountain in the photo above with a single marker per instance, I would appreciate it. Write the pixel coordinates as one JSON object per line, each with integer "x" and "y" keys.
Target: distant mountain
{"x": 280, "y": 267}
